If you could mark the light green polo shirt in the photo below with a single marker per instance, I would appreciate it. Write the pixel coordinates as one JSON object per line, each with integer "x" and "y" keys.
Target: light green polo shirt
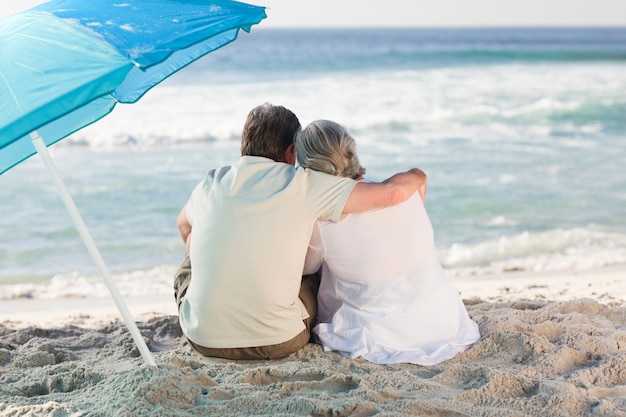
{"x": 251, "y": 225}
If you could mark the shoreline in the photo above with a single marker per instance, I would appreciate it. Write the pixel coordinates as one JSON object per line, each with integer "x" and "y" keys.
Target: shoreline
{"x": 605, "y": 285}
{"x": 83, "y": 312}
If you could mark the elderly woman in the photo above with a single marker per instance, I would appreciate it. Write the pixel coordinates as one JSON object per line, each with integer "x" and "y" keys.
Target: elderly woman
{"x": 383, "y": 293}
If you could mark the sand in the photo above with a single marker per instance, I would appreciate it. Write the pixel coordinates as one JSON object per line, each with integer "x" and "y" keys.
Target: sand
{"x": 553, "y": 344}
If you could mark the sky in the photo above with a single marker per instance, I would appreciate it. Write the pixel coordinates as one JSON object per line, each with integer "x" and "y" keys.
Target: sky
{"x": 424, "y": 13}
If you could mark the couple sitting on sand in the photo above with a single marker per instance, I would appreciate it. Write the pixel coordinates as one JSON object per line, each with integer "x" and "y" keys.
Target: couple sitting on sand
{"x": 265, "y": 232}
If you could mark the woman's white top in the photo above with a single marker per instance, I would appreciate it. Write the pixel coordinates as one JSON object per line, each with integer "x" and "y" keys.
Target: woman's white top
{"x": 384, "y": 294}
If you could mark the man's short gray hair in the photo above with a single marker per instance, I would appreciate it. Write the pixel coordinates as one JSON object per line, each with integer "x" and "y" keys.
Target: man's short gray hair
{"x": 268, "y": 132}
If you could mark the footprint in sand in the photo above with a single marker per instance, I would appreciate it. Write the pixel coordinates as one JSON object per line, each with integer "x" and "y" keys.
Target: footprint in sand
{"x": 308, "y": 379}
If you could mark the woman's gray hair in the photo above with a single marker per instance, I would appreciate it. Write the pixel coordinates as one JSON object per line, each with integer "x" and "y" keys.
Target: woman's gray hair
{"x": 327, "y": 146}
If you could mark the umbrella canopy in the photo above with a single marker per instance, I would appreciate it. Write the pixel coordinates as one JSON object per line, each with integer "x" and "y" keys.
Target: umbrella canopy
{"x": 67, "y": 63}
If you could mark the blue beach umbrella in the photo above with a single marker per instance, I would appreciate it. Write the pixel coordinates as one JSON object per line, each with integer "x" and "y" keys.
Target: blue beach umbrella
{"x": 67, "y": 63}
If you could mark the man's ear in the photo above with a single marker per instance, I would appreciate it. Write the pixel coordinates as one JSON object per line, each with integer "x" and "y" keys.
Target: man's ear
{"x": 290, "y": 154}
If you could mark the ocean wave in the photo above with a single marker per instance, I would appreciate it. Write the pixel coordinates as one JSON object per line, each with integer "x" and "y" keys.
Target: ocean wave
{"x": 543, "y": 118}
{"x": 558, "y": 249}
{"x": 553, "y": 250}
{"x": 150, "y": 281}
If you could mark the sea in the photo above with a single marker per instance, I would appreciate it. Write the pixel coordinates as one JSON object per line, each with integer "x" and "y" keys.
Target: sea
{"x": 522, "y": 132}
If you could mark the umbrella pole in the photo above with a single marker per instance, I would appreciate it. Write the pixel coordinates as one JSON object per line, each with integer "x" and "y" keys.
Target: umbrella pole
{"x": 42, "y": 150}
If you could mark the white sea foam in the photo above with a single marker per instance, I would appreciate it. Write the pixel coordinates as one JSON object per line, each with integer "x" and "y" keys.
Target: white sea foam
{"x": 557, "y": 249}
{"x": 500, "y": 221}
{"x": 438, "y": 102}
{"x": 152, "y": 281}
